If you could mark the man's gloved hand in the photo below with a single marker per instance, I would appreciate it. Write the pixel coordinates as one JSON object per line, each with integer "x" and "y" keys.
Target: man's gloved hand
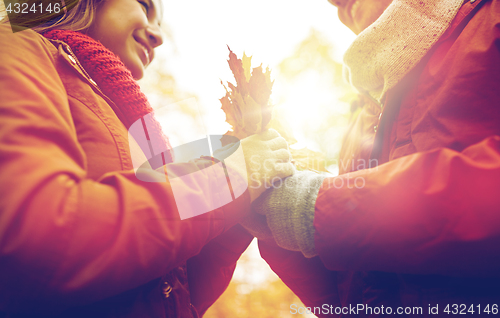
{"x": 256, "y": 224}
{"x": 289, "y": 208}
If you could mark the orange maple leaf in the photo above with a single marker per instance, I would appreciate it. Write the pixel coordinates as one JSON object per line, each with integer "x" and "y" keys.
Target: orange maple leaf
{"x": 248, "y": 110}
{"x": 260, "y": 87}
{"x": 236, "y": 66}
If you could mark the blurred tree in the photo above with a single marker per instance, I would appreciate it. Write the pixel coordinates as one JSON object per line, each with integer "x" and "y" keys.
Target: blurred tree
{"x": 177, "y": 110}
{"x": 255, "y": 291}
{"x": 319, "y": 119}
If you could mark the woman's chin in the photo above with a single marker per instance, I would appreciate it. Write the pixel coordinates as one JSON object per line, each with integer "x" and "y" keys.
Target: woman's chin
{"x": 137, "y": 72}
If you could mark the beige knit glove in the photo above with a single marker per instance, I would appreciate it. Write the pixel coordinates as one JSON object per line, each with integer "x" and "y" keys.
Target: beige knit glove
{"x": 267, "y": 159}
{"x": 264, "y": 159}
{"x": 289, "y": 209}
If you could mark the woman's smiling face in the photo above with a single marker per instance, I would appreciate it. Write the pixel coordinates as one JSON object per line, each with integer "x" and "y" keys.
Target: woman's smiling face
{"x": 130, "y": 29}
{"x": 357, "y": 15}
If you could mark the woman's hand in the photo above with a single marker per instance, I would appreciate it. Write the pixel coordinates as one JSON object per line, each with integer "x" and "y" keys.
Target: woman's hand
{"x": 267, "y": 160}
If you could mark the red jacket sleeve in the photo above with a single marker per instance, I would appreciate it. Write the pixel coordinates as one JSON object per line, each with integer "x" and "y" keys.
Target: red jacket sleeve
{"x": 65, "y": 238}
{"x": 436, "y": 212}
{"x": 308, "y": 278}
{"x": 211, "y": 270}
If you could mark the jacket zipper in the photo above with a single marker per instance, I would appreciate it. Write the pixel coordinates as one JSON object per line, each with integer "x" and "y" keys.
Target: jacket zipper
{"x": 88, "y": 78}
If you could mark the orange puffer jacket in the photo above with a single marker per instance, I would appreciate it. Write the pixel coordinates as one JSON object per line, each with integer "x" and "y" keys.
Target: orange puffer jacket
{"x": 419, "y": 233}
{"x": 80, "y": 235}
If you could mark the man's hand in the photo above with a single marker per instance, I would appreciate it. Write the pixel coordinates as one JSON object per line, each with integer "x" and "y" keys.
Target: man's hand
{"x": 289, "y": 209}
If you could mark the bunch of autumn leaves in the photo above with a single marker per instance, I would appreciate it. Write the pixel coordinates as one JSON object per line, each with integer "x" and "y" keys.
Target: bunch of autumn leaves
{"x": 249, "y": 111}
{"x": 247, "y": 105}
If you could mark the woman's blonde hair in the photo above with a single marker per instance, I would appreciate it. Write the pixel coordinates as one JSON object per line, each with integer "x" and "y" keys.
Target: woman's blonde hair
{"x": 75, "y": 15}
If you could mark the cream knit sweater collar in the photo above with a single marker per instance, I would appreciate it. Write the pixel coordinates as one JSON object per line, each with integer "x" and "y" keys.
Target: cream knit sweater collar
{"x": 388, "y": 49}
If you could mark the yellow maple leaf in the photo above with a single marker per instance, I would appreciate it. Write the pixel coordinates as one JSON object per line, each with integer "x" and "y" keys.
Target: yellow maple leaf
{"x": 247, "y": 66}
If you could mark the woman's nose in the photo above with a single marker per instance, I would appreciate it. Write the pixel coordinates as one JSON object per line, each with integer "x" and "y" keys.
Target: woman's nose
{"x": 155, "y": 36}
{"x": 338, "y": 3}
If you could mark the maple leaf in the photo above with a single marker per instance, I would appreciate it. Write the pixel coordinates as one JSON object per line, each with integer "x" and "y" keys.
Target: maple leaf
{"x": 227, "y": 107}
{"x": 247, "y": 64}
{"x": 260, "y": 87}
{"x": 236, "y": 66}
{"x": 249, "y": 111}
{"x": 246, "y": 104}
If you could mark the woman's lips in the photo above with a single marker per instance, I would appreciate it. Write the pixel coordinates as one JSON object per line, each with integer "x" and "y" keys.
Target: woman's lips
{"x": 145, "y": 52}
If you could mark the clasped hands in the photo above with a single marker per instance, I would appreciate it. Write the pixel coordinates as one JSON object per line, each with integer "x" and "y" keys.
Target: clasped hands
{"x": 285, "y": 213}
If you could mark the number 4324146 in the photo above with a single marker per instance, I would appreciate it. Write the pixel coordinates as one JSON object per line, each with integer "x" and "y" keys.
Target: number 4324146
{"x": 462, "y": 309}
{"x": 35, "y": 8}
